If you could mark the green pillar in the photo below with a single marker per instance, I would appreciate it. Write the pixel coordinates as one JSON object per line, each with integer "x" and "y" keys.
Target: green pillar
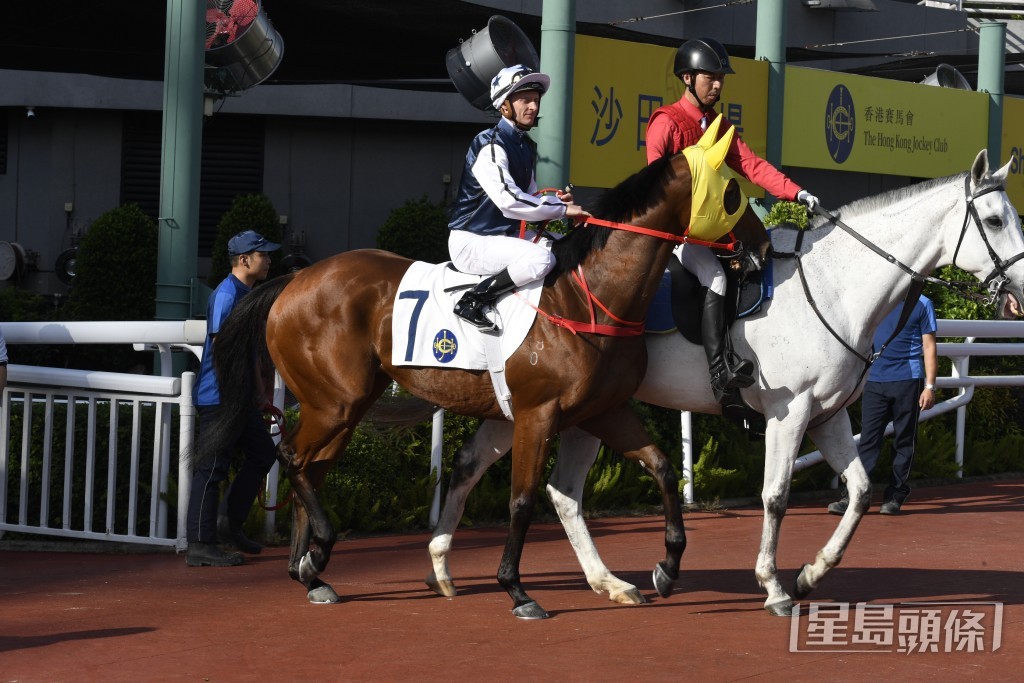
{"x": 557, "y": 46}
{"x": 991, "y": 63}
{"x": 180, "y": 159}
{"x": 771, "y": 47}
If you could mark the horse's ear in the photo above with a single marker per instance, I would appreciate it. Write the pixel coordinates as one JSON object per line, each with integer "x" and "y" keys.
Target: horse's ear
{"x": 980, "y": 167}
{"x": 716, "y": 153}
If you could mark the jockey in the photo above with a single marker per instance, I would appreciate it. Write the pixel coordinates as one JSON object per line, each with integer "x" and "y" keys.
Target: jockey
{"x": 497, "y": 191}
{"x": 702, "y": 64}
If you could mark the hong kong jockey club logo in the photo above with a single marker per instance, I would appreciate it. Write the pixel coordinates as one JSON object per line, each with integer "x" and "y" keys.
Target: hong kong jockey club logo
{"x": 840, "y": 123}
{"x": 445, "y": 346}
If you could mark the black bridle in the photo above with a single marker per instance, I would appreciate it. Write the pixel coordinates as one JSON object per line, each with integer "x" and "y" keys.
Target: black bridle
{"x": 997, "y": 279}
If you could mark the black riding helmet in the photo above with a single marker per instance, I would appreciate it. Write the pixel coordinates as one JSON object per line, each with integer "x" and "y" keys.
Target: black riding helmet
{"x": 702, "y": 54}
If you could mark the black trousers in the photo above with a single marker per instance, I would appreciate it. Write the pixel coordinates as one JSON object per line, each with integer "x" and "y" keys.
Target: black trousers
{"x": 897, "y": 402}
{"x": 258, "y": 448}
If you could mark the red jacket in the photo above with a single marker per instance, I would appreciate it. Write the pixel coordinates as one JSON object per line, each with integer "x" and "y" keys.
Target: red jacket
{"x": 677, "y": 125}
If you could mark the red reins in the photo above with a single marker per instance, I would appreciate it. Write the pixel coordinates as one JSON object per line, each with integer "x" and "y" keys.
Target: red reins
{"x": 624, "y": 328}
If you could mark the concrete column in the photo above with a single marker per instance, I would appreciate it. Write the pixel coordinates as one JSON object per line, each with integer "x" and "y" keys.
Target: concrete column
{"x": 180, "y": 158}
{"x": 557, "y": 46}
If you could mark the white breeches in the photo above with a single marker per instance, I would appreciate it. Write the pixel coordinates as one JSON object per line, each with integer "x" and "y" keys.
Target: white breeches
{"x": 491, "y": 254}
{"x": 702, "y": 262}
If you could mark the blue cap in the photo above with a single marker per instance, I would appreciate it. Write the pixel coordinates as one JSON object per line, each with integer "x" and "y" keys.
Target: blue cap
{"x": 249, "y": 241}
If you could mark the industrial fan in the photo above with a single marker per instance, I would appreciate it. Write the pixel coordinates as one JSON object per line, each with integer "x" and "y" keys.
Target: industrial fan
{"x": 242, "y": 47}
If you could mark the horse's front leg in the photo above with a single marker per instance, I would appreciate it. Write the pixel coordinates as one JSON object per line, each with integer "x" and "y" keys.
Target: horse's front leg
{"x": 835, "y": 440}
{"x": 531, "y": 442}
{"x": 782, "y": 441}
{"x": 577, "y": 451}
{"x": 492, "y": 440}
{"x": 620, "y": 429}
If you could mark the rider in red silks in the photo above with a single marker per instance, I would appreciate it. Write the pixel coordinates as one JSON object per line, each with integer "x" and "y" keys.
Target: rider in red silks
{"x": 702, "y": 64}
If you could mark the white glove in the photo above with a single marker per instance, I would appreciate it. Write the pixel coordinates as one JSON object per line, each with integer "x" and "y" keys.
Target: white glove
{"x": 807, "y": 199}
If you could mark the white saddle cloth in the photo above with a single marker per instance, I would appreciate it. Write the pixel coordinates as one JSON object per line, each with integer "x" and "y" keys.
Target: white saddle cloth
{"x": 426, "y": 333}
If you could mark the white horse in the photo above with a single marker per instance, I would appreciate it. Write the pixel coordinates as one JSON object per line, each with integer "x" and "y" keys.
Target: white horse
{"x": 807, "y": 374}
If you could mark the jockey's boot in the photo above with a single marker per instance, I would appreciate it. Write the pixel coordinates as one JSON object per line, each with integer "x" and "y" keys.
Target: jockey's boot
{"x": 473, "y": 303}
{"x": 725, "y": 375}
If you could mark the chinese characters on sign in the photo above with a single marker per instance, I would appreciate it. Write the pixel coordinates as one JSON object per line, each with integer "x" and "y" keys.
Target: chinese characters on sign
{"x": 898, "y": 140}
{"x": 906, "y": 628}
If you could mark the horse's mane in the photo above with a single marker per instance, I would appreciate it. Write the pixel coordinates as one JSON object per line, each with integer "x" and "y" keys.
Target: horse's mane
{"x": 869, "y": 204}
{"x": 635, "y": 195}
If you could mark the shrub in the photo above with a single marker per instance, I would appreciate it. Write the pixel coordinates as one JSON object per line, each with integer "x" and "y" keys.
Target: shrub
{"x": 115, "y": 280}
{"x": 417, "y": 230}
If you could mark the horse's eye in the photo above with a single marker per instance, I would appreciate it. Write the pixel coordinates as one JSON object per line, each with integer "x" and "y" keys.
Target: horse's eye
{"x": 994, "y": 222}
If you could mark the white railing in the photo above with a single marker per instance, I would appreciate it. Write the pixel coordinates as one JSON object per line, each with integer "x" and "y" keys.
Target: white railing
{"x": 73, "y": 400}
{"x": 960, "y": 377}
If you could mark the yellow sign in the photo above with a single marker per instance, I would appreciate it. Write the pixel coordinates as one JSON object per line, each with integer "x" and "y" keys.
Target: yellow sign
{"x": 617, "y": 85}
{"x": 846, "y": 122}
{"x": 1013, "y": 149}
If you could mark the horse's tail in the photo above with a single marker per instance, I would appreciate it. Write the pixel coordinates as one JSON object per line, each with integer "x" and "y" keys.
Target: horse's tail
{"x": 243, "y": 367}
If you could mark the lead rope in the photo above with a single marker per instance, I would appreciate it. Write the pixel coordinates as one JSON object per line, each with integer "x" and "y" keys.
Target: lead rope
{"x": 272, "y": 415}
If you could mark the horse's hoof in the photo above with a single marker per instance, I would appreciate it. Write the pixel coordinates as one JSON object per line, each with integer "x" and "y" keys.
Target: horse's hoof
{"x": 530, "y": 610}
{"x": 780, "y": 609}
{"x": 444, "y": 588}
{"x": 662, "y": 581}
{"x": 803, "y": 587}
{"x": 323, "y": 595}
{"x": 629, "y": 597}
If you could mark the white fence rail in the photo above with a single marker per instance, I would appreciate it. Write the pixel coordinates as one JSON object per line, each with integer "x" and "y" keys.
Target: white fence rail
{"x": 960, "y": 378}
{"x": 127, "y": 420}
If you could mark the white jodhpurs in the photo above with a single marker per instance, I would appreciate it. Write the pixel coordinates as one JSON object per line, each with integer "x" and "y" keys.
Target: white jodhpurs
{"x": 491, "y": 254}
{"x": 702, "y": 262}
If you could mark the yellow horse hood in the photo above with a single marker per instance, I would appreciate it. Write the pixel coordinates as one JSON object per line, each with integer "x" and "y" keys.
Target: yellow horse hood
{"x": 709, "y": 219}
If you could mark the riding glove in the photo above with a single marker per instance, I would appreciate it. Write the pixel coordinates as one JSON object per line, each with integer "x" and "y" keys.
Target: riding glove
{"x": 807, "y": 199}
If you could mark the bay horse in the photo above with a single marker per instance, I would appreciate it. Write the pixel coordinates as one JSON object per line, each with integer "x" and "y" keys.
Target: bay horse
{"x": 328, "y": 331}
{"x": 811, "y": 363}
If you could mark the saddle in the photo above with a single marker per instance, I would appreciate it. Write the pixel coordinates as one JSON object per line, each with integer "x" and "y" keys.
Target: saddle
{"x": 746, "y": 292}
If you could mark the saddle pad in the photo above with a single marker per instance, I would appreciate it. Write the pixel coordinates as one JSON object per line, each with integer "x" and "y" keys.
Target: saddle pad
{"x": 426, "y": 333}
{"x": 660, "y": 318}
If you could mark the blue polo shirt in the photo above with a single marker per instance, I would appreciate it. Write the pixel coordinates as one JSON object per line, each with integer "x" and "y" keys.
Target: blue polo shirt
{"x": 903, "y": 358}
{"x": 223, "y": 299}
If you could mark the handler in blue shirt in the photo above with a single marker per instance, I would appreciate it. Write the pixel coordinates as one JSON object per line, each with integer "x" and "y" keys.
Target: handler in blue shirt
{"x": 900, "y": 385}
{"x": 250, "y": 263}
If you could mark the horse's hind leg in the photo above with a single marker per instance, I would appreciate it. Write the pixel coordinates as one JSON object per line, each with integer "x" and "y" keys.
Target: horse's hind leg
{"x": 835, "y": 440}
{"x": 492, "y": 440}
{"x": 577, "y": 451}
{"x": 622, "y": 430}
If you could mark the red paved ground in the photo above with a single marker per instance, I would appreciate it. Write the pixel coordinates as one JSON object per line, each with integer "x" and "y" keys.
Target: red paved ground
{"x": 91, "y": 617}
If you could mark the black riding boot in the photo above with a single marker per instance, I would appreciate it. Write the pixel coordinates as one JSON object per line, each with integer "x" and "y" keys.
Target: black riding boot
{"x": 723, "y": 375}
{"x": 473, "y": 303}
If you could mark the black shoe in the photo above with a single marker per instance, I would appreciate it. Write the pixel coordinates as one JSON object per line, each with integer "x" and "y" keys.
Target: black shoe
{"x": 210, "y": 555}
{"x": 230, "y": 531}
{"x": 471, "y": 307}
{"x": 890, "y": 507}
{"x": 839, "y": 507}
